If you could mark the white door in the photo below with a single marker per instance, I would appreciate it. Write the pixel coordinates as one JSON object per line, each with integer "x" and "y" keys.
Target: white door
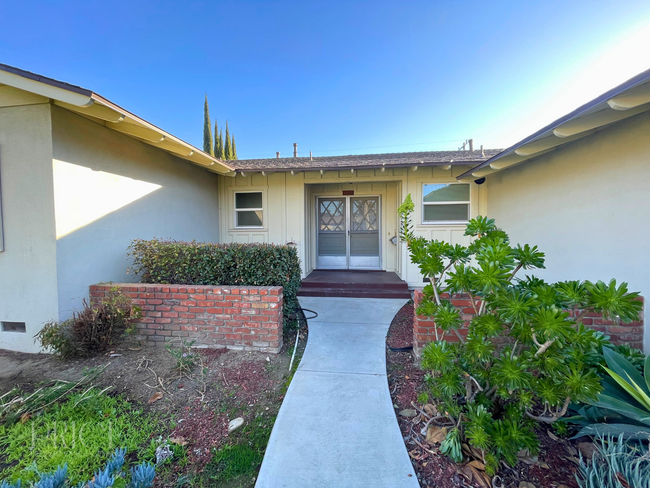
{"x": 348, "y": 233}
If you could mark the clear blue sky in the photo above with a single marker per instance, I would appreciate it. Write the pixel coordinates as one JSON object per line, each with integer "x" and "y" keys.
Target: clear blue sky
{"x": 336, "y": 77}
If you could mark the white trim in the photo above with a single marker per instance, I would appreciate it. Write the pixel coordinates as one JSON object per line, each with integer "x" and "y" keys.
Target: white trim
{"x": 248, "y": 209}
{"x": 460, "y": 202}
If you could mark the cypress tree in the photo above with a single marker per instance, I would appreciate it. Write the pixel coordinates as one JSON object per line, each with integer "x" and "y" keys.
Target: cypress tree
{"x": 228, "y": 148}
{"x": 234, "y": 147}
{"x": 222, "y": 150}
{"x": 217, "y": 152}
{"x": 207, "y": 129}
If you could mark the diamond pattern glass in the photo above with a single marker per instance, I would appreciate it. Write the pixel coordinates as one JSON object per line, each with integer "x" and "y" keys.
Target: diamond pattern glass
{"x": 365, "y": 214}
{"x": 332, "y": 216}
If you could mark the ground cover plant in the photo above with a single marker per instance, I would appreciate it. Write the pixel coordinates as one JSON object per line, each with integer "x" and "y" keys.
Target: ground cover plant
{"x": 524, "y": 358}
{"x": 81, "y": 433}
{"x": 197, "y": 263}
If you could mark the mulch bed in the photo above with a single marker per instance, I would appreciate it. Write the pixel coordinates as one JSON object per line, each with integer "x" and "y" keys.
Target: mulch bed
{"x": 555, "y": 466}
{"x": 202, "y": 431}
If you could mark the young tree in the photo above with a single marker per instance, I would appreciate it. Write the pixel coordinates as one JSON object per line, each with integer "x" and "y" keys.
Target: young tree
{"x": 228, "y": 148}
{"x": 234, "y": 147}
{"x": 217, "y": 149}
{"x": 207, "y": 129}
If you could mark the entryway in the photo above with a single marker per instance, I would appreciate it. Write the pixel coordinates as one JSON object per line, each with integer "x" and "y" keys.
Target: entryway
{"x": 348, "y": 232}
{"x": 354, "y": 284}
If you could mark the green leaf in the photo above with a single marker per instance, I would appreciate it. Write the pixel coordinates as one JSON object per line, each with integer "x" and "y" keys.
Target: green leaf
{"x": 627, "y": 430}
{"x": 633, "y": 389}
{"x": 624, "y": 368}
{"x": 623, "y": 408}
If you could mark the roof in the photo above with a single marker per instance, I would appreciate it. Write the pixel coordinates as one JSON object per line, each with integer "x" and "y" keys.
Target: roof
{"x": 368, "y": 161}
{"x": 626, "y": 100}
{"x": 99, "y": 109}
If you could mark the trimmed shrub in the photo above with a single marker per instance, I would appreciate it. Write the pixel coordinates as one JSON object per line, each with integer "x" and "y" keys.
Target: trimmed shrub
{"x": 201, "y": 263}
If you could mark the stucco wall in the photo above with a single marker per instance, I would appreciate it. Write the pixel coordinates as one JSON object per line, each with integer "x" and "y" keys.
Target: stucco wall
{"x": 587, "y": 206}
{"x": 289, "y": 209}
{"x": 28, "y": 282}
{"x": 111, "y": 189}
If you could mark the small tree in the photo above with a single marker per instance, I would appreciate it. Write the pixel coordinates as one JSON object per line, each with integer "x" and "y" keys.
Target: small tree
{"x": 234, "y": 147}
{"x": 524, "y": 358}
{"x": 217, "y": 140}
{"x": 207, "y": 129}
{"x": 228, "y": 147}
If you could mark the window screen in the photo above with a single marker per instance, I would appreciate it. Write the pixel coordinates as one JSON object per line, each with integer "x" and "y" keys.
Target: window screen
{"x": 445, "y": 203}
{"x": 248, "y": 209}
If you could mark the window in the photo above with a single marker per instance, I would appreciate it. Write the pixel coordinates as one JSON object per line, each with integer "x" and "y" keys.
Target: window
{"x": 445, "y": 203}
{"x": 248, "y": 209}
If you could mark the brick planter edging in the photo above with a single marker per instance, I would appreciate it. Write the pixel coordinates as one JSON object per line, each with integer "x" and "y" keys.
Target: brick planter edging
{"x": 424, "y": 327}
{"x": 246, "y": 318}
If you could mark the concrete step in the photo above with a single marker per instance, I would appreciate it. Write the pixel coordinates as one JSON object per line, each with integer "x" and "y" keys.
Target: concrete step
{"x": 358, "y": 292}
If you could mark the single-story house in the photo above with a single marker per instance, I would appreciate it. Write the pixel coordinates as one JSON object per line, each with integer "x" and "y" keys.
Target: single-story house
{"x": 81, "y": 177}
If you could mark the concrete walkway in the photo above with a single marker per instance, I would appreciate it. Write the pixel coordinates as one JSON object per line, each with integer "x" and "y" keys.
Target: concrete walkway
{"x": 337, "y": 425}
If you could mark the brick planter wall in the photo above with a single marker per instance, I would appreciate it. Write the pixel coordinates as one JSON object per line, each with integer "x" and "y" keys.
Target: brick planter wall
{"x": 424, "y": 327}
{"x": 237, "y": 317}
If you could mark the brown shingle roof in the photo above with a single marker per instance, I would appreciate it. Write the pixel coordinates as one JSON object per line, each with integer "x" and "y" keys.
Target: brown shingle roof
{"x": 429, "y": 158}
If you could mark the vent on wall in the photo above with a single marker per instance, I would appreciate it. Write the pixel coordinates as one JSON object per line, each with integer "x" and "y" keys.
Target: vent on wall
{"x": 13, "y": 327}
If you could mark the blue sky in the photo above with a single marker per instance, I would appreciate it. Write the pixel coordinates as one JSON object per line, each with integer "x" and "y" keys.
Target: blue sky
{"x": 336, "y": 77}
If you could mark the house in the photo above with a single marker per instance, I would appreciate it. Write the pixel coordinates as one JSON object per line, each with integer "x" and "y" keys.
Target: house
{"x": 81, "y": 177}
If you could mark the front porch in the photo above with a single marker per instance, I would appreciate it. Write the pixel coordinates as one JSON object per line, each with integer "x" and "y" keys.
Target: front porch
{"x": 354, "y": 283}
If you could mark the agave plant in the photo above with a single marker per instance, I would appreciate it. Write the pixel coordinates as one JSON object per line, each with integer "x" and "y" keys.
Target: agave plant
{"x": 623, "y": 407}
{"x": 616, "y": 464}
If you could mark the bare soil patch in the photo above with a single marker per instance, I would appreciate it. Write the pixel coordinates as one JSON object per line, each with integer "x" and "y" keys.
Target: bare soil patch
{"x": 194, "y": 407}
{"x": 555, "y": 466}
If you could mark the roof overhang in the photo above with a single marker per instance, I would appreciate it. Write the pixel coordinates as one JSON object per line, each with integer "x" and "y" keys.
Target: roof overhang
{"x": 626, "y": 100}
{"x": 446, "y": 165}
{"x": 95, "y": 107}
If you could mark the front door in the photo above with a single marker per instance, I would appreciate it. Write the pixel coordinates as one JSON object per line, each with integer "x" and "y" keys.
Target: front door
{"x": 348, "y": 233}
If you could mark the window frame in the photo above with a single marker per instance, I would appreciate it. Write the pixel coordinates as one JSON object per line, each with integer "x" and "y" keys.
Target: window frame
{"x": 467, "y": 202}
{"x": 2, "y": 234}
{"x": 261, "y": 209}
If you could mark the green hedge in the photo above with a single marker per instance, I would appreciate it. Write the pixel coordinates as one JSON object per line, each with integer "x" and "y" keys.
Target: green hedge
{"x": 197, "y": 263}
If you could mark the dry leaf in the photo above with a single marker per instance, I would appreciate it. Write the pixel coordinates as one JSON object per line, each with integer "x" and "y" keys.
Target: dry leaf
{"x": 552, "y": 435}
{"x": 25, "y": 417}
{"x": 622, "y": 480}
{"x": 478, "y": 475}
{"x": 156, "y": 396}
{"x": 466, "y": 471}
{"x": 435, "y": 435}
{"x": 178, "y": 440}
{"x": 526, "y": 484}
{"x": 135, "y": 349}
{"x": 477, "y": 464}
{"x": 407, "y": 377}
{"x": 431, "y": 409}
{"x": 486, "y": 478}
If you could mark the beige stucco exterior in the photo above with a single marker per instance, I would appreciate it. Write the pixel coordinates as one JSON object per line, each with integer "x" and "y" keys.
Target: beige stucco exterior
{"x": 586, "y": 205}
{"x": 290, "y": 213}
{"x": 74, "y": 195}
{"x": 110, "y": 189}
{"x": 28, "y": 281}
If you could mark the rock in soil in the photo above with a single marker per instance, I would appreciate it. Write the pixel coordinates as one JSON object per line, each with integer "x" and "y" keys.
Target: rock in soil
{"x": 408, "y": 412}
{"x": 235, "y": 424}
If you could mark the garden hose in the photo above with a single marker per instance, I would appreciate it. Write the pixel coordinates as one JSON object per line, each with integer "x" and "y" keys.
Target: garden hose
{"x": 295, "y": 348}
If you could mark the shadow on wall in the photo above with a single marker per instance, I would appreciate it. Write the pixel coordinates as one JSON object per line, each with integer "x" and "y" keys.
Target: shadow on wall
{"x": 111, "y": 189}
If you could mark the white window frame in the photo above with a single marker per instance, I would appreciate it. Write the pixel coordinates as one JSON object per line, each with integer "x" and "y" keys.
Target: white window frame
{"x": 261, "y": 209}
{"x": 2, "y": 235}
{"x": 461, "y": 202}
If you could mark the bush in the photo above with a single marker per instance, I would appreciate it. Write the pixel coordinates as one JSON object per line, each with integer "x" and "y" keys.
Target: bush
{"x": 91, "y": 330}
{"x": 196, "y": 263}
{"x": 524, "y": 359}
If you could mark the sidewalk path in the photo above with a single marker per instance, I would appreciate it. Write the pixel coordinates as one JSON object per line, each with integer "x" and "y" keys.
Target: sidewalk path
{"x": 337, "y": 426}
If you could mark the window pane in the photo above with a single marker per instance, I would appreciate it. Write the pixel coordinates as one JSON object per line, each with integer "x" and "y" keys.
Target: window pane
{"x": 439, "y": 213}
{"x": 446, "y": 193}
{"x": 249, "y": 218}
{"x": 248, "y": 200}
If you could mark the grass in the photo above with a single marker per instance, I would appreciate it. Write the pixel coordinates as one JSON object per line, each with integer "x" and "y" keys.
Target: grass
{"x": 80, "y": 432}
{"x": 241, "y": 458}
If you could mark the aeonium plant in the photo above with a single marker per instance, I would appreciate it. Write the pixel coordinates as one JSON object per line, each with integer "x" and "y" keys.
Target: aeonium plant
{"x": 524, "y": 358}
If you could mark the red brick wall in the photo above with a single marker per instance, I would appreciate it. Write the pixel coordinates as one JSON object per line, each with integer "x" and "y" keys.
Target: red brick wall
{"x": 424, "y": 327}
{"x": 236, "y": 317}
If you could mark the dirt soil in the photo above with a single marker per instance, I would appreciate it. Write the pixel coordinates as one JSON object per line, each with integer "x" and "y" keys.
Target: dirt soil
{"x": 221, "y": 386}
{"x": 554, "y": 467}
